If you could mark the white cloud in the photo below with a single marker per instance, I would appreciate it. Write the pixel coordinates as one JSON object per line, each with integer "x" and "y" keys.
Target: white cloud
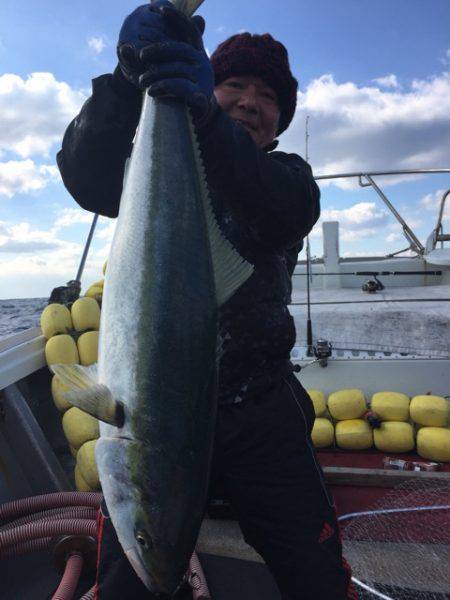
{"x": 24, "y": 176}
{"x": 389, "y": 81}
{"x": 432, "y": 202}
{"x": 97, "y": 43}
{"x": 393, "y": 237}
{"x": 35, "y": 112}
{"x": 355, "y": 128}
{"x": 362, "y": 220}
{"x": 33, "y": 261}
{"x": 71, "y": 216}
{"x": 21, "y": 239}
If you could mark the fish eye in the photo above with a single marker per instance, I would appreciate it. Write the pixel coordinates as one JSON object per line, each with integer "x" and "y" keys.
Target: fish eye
{"x": 143, "y": 540}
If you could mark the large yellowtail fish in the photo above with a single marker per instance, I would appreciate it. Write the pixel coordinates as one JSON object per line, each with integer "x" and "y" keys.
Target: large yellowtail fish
{"x": 169, "y": 271}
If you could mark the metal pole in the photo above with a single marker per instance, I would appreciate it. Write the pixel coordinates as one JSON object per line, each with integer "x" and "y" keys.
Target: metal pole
{"x": 309, "y": 336}
{"x": 86, "y": 249}
{"x": 415, "y": 243}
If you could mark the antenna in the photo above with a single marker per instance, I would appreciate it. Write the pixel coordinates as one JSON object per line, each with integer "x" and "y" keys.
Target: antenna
{"x": 309, "y": 335}
{"x": 306, "y": 138}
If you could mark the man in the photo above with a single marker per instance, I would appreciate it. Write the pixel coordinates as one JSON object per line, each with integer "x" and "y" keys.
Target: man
{"x": 265, "y": 202}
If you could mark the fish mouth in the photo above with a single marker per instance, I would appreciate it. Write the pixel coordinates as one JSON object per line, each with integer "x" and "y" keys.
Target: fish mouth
{"x": 136, "y": 562}
{"x": 151, "y": 583}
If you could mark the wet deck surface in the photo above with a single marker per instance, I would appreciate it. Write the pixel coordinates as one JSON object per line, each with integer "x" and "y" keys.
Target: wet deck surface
{"x": 410, "y": 319}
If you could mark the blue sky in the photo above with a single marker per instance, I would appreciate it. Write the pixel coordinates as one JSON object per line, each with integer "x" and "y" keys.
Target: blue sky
{"x": 374, "y": 79}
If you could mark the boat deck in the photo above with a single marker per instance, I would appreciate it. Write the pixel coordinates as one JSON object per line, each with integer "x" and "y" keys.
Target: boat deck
{"x": 413, "y": 320}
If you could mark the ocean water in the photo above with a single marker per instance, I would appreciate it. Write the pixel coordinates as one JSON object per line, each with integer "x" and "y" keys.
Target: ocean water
{"x": 19, "y": 314}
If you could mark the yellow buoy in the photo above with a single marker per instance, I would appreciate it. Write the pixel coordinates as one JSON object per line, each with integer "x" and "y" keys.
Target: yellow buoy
{"x": 432, "y": 411}
{"x": 347, "y": 404}
{"x": 318, "y": 399}
{"x": 94, "y": 292}
{"x": 86, "y": 464}
{"x": 391, "y": 406}
{"x": 79, "y": 427}
{"x": 88, "y": 347}
{"x": 434, "y": 443}
{"x": 104, "y": 267}
{"x": 100, "y": 283}
{"x": 394, "y": 436}
{"x": 58, "y": 391}
{"x": 61, "y": 349}
{"x": 55, "y": 318}
{"x": 80, "y": 483}
{"x": 354, "y": 434}
{"x": 85, "y": 314}
{"x": 322, "y": 433}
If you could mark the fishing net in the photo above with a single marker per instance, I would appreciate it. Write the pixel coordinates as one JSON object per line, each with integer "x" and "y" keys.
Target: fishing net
{"x": 400, "y": 549}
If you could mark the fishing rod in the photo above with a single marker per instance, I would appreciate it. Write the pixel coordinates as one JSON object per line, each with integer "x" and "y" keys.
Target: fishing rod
{"x": 309, "y": 336}
{"x": 67, "y": 294}
{"x": 86, "y": 249}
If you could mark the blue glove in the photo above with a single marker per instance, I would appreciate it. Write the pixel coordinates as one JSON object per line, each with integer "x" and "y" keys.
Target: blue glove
{"x": 143, "y": 26}
{"x": 179, "y": 68}
{"x": 172, "y": 60}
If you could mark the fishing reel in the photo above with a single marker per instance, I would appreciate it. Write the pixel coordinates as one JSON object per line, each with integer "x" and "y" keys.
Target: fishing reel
{"x": 322, "y": 351}
{"x": 372, "y": 285}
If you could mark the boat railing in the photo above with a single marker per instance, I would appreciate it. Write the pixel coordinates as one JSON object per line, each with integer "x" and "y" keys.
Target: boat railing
{"x": 365, "y": 179}
{"x": 438, "y": 233}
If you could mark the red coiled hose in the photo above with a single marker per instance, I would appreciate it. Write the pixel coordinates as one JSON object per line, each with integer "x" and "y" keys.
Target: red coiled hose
{"x": 40, "y": 529}
{"x": 16, "y": 508}
{"x": 89, "y": 595}
{"x": 66, "y": 513}
{"x": 197, "y": 579}
{"x": 71, "y": 577}
{"x": 27, "y": 547}
{"x": 70, "y": 512}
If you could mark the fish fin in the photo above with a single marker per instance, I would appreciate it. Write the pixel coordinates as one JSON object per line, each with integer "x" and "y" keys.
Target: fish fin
{"x": 87, "y": 394}
{"x": 231, "y": 270}
{"x": 188, "y": 7}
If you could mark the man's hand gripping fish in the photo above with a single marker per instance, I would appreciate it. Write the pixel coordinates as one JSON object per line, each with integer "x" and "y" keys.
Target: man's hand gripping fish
{"x": 169, "y": 271}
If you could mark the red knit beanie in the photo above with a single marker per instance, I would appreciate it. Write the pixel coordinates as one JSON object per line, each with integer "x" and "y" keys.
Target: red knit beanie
{"x": 260, "y": 55}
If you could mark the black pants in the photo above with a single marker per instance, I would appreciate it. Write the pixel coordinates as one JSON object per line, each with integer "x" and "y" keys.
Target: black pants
{"x": 264, "y": 456}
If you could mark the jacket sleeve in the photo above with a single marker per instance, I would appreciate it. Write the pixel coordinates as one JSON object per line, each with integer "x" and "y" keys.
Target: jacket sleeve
{"x": 96, "y": 145}
{"x": 276, "y": 191}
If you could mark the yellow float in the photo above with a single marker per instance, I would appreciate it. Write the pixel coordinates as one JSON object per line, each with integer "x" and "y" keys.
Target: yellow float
{"x": 58, "y": 391}
{"x": 85, "y": 314}
{"x": 322, "y": 433}
{"x": 61, "y": 349}
{"x": 347, "y": 404}
{"x": 432, "y": 411}
{"x": 434, "y": 443}
{"x": 55, "y": 318}
{"x": 88, "y": 347}
{"x": 391, "y": 406}
{"x": 319, "y": 402}
{"x": 354, "y": 434}
{"x": 79, "y": 427}
{"x": 394, "y": 436}
{"x": 94, "y": 292}
{"x": 80, "y": 483}
{"x": 86, "y": 464}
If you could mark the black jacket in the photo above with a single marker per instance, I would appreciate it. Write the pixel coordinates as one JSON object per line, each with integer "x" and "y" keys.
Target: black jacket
{"x": 265, "y": 203}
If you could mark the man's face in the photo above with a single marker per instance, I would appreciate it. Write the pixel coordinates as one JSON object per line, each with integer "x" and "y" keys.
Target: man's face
{"x": 253, "y": 103}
